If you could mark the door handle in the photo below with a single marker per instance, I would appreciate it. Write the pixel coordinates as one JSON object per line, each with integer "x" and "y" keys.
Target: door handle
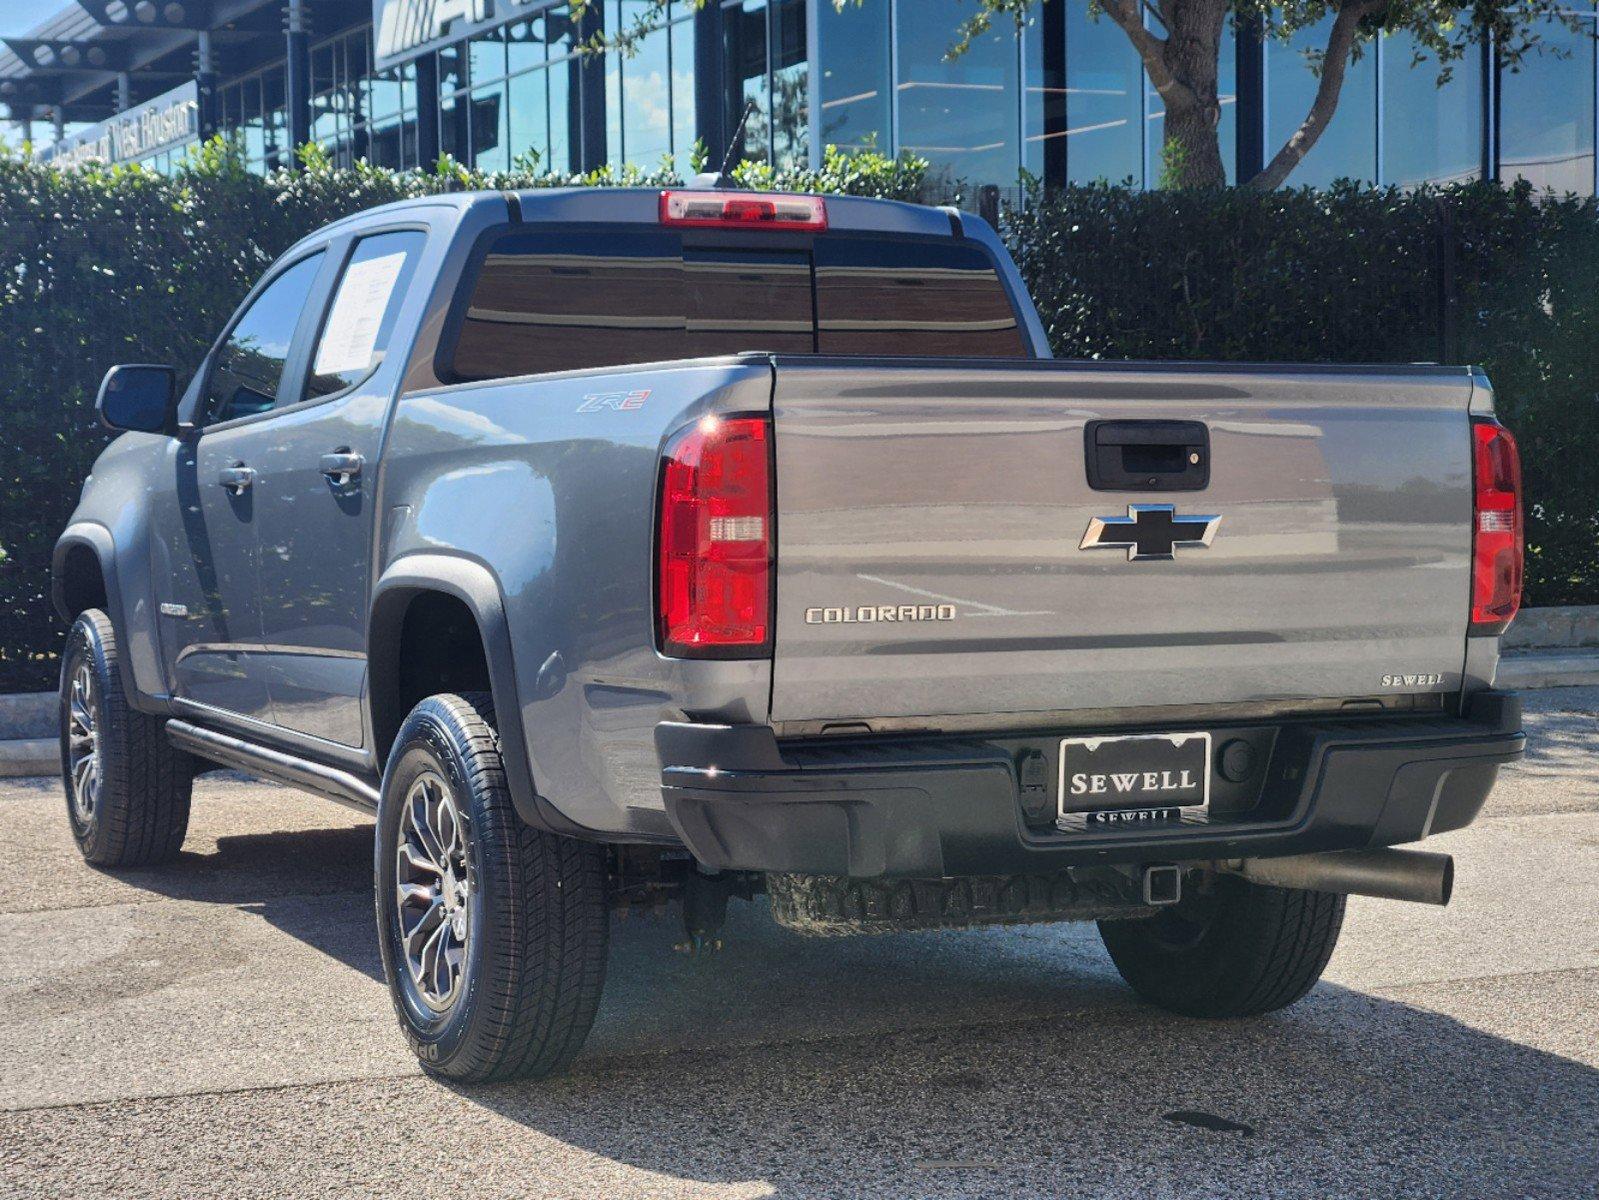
{"x": 342, "y": 466}
{"x": 1147, "y": 455}
{"x": 236, "y": 479}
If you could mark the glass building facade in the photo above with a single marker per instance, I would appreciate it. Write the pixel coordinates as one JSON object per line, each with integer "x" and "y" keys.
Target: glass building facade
{"x": 1061, "y": 98}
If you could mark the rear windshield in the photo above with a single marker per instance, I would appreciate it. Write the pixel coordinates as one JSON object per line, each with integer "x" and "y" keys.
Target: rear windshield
{"x": 569, "y": 298}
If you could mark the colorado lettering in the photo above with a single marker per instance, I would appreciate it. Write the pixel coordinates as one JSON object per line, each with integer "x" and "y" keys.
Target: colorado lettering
{"x": 865, "y": 613}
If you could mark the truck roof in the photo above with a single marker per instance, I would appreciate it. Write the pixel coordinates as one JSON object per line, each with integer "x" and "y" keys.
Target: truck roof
{"x": 855, "y": 214}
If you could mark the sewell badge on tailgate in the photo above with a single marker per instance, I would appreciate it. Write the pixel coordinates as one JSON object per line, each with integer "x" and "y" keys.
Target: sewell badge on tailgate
{"x": 1149, "y": 531}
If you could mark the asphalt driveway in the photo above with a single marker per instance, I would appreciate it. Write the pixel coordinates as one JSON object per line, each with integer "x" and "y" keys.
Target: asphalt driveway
{"x": 219, "y": 1027}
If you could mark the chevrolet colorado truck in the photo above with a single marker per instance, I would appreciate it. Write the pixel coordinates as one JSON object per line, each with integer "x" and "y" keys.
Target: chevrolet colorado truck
{"x": 618, "y": 548}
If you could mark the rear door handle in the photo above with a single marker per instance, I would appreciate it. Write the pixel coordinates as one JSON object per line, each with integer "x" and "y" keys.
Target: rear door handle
{"x": 237, "y": 478}
{"x": 342, "y": 466}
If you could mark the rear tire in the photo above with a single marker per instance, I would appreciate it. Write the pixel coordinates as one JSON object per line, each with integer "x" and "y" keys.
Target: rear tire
{"x": 1235, "y": 951}
{"x": 494, "y": 934}
{"x": 127, "y": 786}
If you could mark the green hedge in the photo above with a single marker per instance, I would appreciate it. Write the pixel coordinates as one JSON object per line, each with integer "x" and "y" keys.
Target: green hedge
{"x": 99, "y": 267}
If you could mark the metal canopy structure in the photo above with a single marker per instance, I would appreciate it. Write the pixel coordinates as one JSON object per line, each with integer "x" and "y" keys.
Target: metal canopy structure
{"x": 97, "y": 58}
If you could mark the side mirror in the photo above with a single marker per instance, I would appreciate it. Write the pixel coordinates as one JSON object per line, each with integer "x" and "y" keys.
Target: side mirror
{"x": 138, "y": 396}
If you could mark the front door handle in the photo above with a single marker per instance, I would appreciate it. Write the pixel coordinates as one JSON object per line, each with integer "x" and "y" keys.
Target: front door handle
{"x": 342, "y": 466}
{"x": 237, "y": 478}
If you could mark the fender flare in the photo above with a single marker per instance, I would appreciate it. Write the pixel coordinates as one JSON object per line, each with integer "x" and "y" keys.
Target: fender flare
{"x": 471, "y": 582}
{"x": 98, "y": 541}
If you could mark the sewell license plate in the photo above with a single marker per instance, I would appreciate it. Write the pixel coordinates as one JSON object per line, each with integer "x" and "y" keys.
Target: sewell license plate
{"x": 1134, "y": 779}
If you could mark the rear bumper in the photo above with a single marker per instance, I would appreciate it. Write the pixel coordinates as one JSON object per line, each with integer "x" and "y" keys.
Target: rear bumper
{"x": 925, "y": 807}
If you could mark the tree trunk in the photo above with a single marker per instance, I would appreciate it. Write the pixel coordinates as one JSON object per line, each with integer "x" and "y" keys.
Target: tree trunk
{"x": 1182, "y": 67}
{"x": 1192, "y": 150}
{"x": 1193, "y": 113}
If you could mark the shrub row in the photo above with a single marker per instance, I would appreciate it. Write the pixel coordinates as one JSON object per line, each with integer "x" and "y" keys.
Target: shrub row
{"x": 105, "y": 266}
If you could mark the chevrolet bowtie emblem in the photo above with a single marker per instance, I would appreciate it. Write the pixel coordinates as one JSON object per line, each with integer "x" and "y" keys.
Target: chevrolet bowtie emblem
{"x": 1149, "y": 531}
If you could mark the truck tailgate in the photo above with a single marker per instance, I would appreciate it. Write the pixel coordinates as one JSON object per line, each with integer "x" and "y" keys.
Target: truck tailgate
{"x": 929, "y": 519}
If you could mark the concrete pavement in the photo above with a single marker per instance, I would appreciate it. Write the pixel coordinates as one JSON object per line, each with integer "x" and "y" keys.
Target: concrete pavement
{"x": 218, "y": 1028}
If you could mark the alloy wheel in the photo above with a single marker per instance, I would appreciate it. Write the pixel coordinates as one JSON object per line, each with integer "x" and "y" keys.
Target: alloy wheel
{"x": 83, "y": 745}
{"x": 433, "y": 890}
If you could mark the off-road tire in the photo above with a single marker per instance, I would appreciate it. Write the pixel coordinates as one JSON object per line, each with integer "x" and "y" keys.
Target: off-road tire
{"x": 539, "y": 919}
{"x": 141, "y": 809}
{"x": 1240, "y": 950}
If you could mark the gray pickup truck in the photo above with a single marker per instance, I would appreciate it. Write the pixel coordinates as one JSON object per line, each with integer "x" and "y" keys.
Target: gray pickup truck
{"x": 622, "y": 547}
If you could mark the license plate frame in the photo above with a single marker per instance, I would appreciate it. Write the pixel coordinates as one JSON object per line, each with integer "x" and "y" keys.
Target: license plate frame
{"x": 1116, "y": 810}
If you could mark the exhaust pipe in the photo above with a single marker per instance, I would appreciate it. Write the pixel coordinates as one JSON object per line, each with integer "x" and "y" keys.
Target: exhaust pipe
{"x": 1413, "y": 875}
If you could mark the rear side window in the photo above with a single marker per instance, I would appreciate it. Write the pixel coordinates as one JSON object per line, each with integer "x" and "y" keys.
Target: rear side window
{"x": 876, "y": 297}
{"x": 573, "y": 298}
{"x": 355, "y": 335}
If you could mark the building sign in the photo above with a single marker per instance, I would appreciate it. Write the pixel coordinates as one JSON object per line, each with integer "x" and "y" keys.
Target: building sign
{"x": 164, "y": 123}
{"x": 407, "y": 28}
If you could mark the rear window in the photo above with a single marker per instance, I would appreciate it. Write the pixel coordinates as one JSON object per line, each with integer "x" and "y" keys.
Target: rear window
{"x": 565, "y": 298}
{"x": 900, "y": 297}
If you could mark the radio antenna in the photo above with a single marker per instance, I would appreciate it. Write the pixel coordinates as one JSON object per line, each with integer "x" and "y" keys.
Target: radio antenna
{"x": 722, "y": 180}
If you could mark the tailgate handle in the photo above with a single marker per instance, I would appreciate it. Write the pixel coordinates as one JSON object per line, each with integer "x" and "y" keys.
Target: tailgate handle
{"x": 1147, "y": 456}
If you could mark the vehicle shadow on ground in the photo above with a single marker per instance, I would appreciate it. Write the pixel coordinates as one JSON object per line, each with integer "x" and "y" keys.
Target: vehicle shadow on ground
{"x": 256, "y": 867}
{"x": 1000, "y": 1062}
{"x": 1345, "y": 1094}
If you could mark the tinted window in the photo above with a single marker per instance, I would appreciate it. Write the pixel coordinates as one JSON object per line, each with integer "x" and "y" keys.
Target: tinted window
{"x": 355, "y": 335}
{"x": 734, "y": 301}
{"x": 548, "y": 300}
{"x": 876, "y": 297}
{"x": 249, "y": 366}
{"x": 570, "y": 300}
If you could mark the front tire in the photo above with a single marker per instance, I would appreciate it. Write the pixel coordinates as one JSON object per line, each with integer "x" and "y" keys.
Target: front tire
{"x": 494, "y": 934}
{"x": 1236, "y": 949}
{"x": 127, "y": 786}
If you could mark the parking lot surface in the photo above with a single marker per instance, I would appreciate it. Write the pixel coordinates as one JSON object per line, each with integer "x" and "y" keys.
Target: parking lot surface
{"x": 219, "y": 1027}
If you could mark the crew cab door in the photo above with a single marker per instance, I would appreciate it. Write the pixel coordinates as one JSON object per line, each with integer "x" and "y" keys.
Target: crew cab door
{"x": 317, "y": 492}
{"x": 206, "y": 568}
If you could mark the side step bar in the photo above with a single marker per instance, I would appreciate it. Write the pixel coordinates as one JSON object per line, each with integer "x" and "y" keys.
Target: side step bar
{"x": 277, "y": 765}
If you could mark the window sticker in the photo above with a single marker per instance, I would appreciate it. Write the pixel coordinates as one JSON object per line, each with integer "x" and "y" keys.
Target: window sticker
{"x": 352, "y": 330}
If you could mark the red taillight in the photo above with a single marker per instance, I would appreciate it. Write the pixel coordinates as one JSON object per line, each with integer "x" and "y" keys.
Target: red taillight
{"x": 1496, "y": 550}
{"x": 715, "y": 588}
{"x": 767, "y": 210}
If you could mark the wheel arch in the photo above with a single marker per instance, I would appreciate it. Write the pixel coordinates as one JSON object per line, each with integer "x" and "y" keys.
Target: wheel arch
{"x": 83, "y": 575}
{"x": 83, "y": 572}
{"x": 408, "y": 588}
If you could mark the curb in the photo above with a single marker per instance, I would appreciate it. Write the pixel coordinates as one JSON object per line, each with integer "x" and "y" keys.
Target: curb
{"x": 1568, "y": 627}
{"x": 29, "y": 756}
{"x": 27, "y": 715}
{"x": 1549, "y": 669}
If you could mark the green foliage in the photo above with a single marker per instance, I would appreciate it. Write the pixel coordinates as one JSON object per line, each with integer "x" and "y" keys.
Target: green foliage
{"x": 1353, "y": 275}
{"x": 120, "y": 265}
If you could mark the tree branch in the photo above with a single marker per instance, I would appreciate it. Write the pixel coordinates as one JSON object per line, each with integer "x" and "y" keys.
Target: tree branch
{"x": 1129, "y": 14}
{"x": 1334, "y": 65}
